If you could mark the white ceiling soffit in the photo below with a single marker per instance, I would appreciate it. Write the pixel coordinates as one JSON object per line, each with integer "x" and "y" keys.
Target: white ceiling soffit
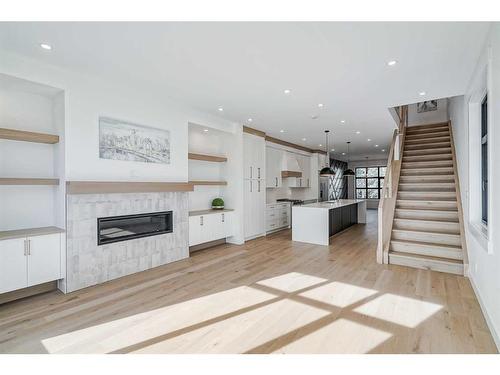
{"x": 245, "y": 67}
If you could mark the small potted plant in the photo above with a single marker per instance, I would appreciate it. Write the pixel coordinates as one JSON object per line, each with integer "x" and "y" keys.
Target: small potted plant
{"x": 218, "y": 204}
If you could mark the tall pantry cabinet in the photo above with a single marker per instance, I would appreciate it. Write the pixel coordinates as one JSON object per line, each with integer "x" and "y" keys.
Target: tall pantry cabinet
{"x": 254, "y": 185}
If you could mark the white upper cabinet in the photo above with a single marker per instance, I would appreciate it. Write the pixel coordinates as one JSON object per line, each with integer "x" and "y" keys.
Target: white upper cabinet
{"x": 274, "y": 160}
{"x": 254, "y": 157}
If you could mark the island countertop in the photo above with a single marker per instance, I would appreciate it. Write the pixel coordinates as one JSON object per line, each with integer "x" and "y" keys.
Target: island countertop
{"x": 328, "y": 205}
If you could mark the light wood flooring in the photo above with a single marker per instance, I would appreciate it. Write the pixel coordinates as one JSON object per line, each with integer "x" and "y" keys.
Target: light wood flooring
{"x": 270, "y": 295}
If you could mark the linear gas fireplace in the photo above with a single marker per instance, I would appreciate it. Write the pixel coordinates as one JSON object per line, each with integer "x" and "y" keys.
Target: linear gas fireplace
{"x": 122, "y": 228}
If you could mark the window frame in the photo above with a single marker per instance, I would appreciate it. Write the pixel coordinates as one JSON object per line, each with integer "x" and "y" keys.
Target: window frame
{"x": 366, "y": 178}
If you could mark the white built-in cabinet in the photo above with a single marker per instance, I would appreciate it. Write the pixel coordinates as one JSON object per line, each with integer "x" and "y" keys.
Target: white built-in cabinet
{"x": 277, "y": 216}
{"x": 254, "y": 185}
{"x": 29, "y": 261}
{"x": 210, "y": 226}
{"x": 274, "y": 160}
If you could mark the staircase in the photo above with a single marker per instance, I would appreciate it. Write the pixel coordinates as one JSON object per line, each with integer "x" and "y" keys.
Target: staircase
{"x": 426, "y": 231}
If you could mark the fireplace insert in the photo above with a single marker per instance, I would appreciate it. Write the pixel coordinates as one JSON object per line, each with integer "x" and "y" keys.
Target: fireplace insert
{"x": 121, "y": 228}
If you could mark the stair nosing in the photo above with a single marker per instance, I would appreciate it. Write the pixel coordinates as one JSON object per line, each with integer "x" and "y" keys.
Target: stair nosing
{"x": 425, "y": 231}
{"x": 428, "y": 244}
{"x": 427, "y": 257}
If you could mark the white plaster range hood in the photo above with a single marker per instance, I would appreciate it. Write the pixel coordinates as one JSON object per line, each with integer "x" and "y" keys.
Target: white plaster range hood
{"x": 290, "y": 166}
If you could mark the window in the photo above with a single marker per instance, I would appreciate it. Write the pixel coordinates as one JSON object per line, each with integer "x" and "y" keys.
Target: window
{"x": 369, "y": 182}
{"x": 484, "y": 160}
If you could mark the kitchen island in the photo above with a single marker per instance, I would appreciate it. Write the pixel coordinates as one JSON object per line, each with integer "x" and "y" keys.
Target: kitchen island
{"x": 316, "y": 222}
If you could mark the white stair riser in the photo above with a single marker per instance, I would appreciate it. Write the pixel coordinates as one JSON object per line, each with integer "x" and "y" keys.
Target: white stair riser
{"x": 427, "y": 164}
{"x": 427, "y": 250}
{"x": 427, "y": 187}
{"x": 424, "y": 179}
{"x": 427, "y": 264}
{"x": 437, "y": 238}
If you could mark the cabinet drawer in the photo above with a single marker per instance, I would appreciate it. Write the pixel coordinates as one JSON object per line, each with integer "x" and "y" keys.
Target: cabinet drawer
{"x": 272, "y": 206}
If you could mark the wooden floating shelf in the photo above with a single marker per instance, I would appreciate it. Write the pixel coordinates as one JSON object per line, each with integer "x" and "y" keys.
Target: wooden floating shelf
{"x": 20, "y": 135}
{"x": 209, "y": 183}
{"x": 217, "y": 159}
{"x": 101, "y": 187}
{"x": 285, "y": 174}
{"x": 29, "y": 181}
{"x": 29, "y": 232}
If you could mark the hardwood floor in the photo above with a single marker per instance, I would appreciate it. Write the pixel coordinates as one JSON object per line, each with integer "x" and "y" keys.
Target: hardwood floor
{"x": 268, "y": 296}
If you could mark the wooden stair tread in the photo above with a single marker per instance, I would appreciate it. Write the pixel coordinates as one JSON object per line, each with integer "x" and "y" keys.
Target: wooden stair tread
{"x": 432, "y": 151}
{"x": 427, "y": 244}
{"x": 425, "y": 126}
{"x": 431, "y": 221}
{"x": 431, "y": 226}
{"x": 435, "y": 259}
{"x": 426, "y": 232}
{"x": 442, "y": 133}
{"x": 426, "y": 146}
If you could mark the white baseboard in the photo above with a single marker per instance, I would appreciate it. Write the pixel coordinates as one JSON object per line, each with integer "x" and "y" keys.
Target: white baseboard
{"x": 491, "y": 327}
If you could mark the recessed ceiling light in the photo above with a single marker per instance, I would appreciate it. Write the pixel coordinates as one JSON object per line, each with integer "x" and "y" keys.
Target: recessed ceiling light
{"x": 304, "y": 139}
{"x": 392, "y": 62}
{"x": 220, "y": 109}
{"x": 333, "y": 150}
{"x": 320, "y": 145}
{"x": 205, "y": 130}
{"x": 383, "y": 150}
{"x": 287, "y": 91}
{"x": 46, "y": 46}
{"x": 369, "y": 139}
{"x": 422, "y": 93}
{"x": 358, "y": 132}
{"x": 342, "y": 121}
{"x": 282, "y": 131}
{"x": 320, "y": 105}
{"x": 343, "y": 153}
{"x": 376, "y": 145}
{"x": 250, "y": 119}
{"x": 314, "y": 117}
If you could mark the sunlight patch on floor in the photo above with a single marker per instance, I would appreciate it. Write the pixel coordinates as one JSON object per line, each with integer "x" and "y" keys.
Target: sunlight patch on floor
{"x": 401, "y": 310}
{"x": 341, "y": 336}
{"x": 339, "y": 294}
{"x": 291, "y": 282}
{"x": 136, "y": 328}
{"x": 243, "y": 332}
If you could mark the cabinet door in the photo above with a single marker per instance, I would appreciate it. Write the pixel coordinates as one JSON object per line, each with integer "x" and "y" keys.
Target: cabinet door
{"x": 44, "y": 259}
{"x": 13, "y": 265}
{"x": 228, "y": 219}
{"x": 248, "y": 208}
{"x": 346, "y": 217}
{"x": 260, "y": 209}
{"x": 335, "y": 221}
{"x": 273, "y": 167}
{"x": 259, "y": 158}
{"x": 354, "y": 214}
{"x": 248, "y": 156}
{"x": 194, "y": 230}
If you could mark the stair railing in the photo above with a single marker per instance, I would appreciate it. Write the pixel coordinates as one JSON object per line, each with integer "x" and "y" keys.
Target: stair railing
{"x": 387, "y": 203}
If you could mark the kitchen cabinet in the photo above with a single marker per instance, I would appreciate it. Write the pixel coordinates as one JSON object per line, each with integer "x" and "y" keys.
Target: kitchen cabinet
{"x": 29, "y": 261}
{"x": 254, "y": 185}
{"x": 210, "y": 226}
{"x": 277, "y": 216}
{"x": 342, "y": 218}
{"x": 274, "y": 161}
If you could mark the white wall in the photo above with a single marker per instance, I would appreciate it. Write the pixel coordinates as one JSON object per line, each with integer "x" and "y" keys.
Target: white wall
{"x": 432, "y": 117}
{"x": 483, "y": 250}
{"x": 88, "y": 97}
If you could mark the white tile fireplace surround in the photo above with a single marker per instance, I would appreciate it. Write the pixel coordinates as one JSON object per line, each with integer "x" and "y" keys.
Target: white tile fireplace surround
{"x": 89, "y": 264}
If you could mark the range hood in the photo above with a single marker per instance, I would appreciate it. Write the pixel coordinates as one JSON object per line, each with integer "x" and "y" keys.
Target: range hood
{"x": 290, "y": 166}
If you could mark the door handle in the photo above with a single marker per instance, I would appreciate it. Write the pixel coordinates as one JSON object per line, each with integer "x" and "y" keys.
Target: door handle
{"x": 223, "y": 218}
{"x": 25, "y": 247}
{"x": 251, "y": 172}
{"x": 201, "y": 220}
{"x": 29, "y": 247}
{"x": 276, "y": 181}
{"x": 258, "y": 172}
{"x": 258, "y": 186}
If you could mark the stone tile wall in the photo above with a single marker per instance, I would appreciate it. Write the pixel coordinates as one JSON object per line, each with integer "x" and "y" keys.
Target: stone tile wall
{"x": 88, "y": 264}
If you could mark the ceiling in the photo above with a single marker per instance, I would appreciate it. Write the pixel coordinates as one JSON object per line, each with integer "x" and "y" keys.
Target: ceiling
{"x": 245, "y": 67}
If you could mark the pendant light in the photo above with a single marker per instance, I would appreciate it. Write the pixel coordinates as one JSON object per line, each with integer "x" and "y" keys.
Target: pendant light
{"x": 327, "y": 171}
{"x": 348, "y": 171}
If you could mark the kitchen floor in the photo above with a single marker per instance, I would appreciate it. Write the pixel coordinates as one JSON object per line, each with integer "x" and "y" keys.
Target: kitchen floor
{"x": 268, "y": 296}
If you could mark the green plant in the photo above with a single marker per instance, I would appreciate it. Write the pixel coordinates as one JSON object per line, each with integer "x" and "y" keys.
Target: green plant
{"x": 218, "y": 202}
